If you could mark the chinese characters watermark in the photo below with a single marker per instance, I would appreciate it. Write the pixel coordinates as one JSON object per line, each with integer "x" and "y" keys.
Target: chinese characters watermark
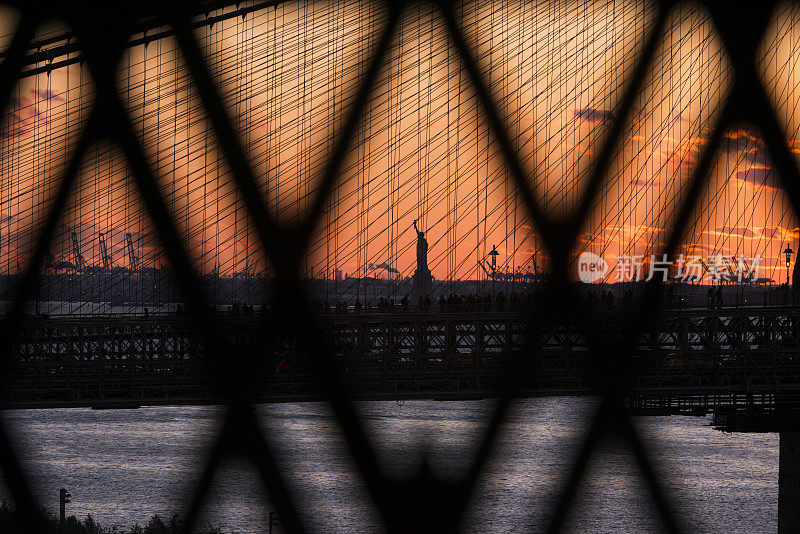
{"x": 684, "y": 268}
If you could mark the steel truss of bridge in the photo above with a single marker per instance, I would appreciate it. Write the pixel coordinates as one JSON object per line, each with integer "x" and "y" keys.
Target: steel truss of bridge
{"x": 688, "y": 361}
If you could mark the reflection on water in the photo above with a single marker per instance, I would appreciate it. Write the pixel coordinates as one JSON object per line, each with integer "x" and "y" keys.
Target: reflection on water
{"x": 123, "y": 466}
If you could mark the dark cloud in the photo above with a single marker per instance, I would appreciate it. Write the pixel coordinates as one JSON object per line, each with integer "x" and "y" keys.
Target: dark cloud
{"x": 46, "y": 94}
{"x": 758, "y": 156}
{"x": 765, "y": 176}
{"x": 742, "y": 231}
{"x": 750, "y": 144}
{"x": 645, "y": 182}
{"x": 694, "y": 248}
{"x": 736, "y": 140}
{"x": 592, "y": 115}
{"x": 23, "y": 117}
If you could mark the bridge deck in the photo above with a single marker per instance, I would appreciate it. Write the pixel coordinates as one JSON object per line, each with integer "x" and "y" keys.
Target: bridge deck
{"x": 688, "y": 360}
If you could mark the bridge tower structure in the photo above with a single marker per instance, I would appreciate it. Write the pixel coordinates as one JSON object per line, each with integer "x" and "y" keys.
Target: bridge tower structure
{"x": 786, "y": 423}
{"x": 789, "y": 482}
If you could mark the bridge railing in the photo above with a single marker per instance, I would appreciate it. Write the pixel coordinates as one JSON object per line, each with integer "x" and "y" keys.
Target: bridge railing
{"x": 160, "y": 360}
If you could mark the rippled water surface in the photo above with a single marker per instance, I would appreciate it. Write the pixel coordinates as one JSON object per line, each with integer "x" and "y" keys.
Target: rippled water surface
{"x": 123, "y": 466}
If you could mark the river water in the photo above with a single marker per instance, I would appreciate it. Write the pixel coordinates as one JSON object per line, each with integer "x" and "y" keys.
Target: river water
{"x": 123, "y": 466}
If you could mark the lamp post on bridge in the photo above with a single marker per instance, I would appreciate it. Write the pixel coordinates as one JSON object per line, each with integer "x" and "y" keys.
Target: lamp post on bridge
{"x": 63, "y": 501}
{"x": 494, "y": 255}
{"x": 788, "y": 251}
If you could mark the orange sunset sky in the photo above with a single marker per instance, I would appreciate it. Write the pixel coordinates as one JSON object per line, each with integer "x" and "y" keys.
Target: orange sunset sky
{"x": 424, "y": 150}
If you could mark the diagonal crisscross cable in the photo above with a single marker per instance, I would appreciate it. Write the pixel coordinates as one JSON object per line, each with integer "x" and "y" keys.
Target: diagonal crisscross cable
{"x": 285, "y": 248}
{"x": 290, "y": 250}
{"x": 605, "y": 353}
{"x": 110, "y": 122}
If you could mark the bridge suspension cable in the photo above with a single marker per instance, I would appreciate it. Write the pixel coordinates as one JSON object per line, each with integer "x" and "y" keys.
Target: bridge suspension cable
{"x": 424, "y": 150}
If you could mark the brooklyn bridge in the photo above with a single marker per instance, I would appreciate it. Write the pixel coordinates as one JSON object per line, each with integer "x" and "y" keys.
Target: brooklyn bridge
{"x": 296, "y": 201}
{"x": 730, "y": 361}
